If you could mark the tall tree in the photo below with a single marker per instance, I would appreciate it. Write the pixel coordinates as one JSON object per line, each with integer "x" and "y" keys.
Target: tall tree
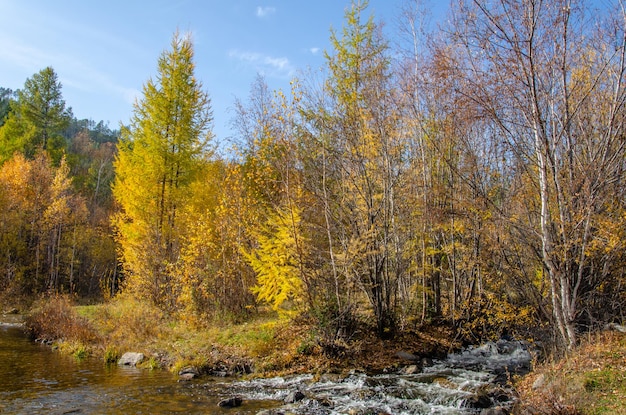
{"x": 360, "y": 164}
{"x": 5, "y": 103}
{"x": 37, "y": 118}
{"x": 159, "y": 156}
{"x": 552, "y": 85}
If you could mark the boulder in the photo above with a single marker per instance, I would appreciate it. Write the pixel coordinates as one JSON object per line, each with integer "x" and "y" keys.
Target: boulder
{"x": 130, "y": 359}
{"x": 294, "y": 396}
{"x": 411, "y": 370}
{"x": 188, "y": 373}
{"x": 232, "y": 402}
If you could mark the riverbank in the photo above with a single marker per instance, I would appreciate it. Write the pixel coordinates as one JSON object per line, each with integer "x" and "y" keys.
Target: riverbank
{"x": 589, "y": 381}
{"x": 266, "y": 345}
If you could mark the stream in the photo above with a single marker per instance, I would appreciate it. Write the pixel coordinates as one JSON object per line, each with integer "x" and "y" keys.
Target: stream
{"x": 34, "y": 379}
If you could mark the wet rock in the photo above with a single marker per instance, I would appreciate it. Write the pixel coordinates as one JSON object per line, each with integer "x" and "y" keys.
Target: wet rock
{"x": 427, "y": 362}
{"x": 186, "y": 377}
{"x": 362, "y": 394}
{"x": 478, "y": 401}
{"x": 411, "y": 370}
{"x": 130, "y": 359}
{"x": 324, "y": 401}
{"x": 294, "y": 396}
{"x": 506, "y": 346}
{"x": 445, "y": 382}
{"x": 489, "y": 397}
{"x": 502, "y": 359}
{"x": 232, "y": 402}
{"x": 188, "y": 373}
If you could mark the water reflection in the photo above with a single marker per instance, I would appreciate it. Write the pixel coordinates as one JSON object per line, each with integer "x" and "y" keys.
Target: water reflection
{"x": 37, "y": 380}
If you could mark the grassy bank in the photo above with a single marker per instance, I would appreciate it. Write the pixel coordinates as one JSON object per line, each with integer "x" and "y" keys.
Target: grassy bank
{"x": 589, "y": 381}
{"x": 262, "y": 346}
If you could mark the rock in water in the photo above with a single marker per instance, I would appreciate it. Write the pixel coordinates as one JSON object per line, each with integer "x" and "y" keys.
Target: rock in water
{"x": 233, "y": 402}
{"x": 293, "y": 397}
{"x": 130, "y": 359}
{"x": 186, "y": 377}
{"x": 189, "y": 372}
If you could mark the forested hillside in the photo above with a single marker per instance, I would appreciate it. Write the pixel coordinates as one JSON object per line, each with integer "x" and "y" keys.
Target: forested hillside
{"x": 473, "y": 175}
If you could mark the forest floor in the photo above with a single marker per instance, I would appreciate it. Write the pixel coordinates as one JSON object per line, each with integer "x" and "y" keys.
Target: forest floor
{"x": 588, "y": 381}
{"x": 591, "y": 380}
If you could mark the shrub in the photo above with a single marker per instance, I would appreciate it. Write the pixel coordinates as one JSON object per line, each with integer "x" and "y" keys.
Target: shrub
{"x": 54, "y": 319}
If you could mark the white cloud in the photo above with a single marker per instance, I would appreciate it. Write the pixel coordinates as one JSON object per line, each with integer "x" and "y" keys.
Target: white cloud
{"x": 314, "y": 50}
{"x": 266, "y": 64}
{"x": 265, "y": 11}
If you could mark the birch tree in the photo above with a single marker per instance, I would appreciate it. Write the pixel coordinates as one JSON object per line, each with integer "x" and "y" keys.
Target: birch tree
{"x": 533, "y": 68}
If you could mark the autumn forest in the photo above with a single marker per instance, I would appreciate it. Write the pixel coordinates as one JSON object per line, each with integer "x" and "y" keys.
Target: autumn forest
{"x": 472, "y": 175}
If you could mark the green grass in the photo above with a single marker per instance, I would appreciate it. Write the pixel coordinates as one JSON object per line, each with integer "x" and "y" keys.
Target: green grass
{"x": 108, "y": 330}
{"x": 605, "y": 390}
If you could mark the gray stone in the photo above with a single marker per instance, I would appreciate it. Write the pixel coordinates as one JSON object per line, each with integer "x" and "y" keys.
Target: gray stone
{"x": 189, "y": 370}
{"x": 294, "y": 396}
{"x": 130, "y": 359}
{"x": 233, "y": 402}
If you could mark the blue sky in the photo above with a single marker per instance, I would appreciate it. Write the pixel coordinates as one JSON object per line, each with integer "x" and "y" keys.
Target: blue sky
{"x": 104, "y": 51}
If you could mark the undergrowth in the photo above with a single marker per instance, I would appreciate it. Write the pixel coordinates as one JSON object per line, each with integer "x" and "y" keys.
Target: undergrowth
{"x": 589, "y": 381}
{"x": 55, "y": 319}
{"x": 265, "y": 345}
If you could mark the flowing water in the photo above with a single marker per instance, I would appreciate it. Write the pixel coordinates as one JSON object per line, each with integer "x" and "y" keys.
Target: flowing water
{"x": 37, "y": 380}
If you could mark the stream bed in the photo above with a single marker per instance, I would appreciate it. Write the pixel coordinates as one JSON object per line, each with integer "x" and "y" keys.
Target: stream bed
{"x": 37, "y": 380}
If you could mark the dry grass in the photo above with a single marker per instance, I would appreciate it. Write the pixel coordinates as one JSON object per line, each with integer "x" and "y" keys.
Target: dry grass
{"x": 266, "y": 344}
{"x": 125, "y": 324}
{"x": 54, "y": 319}
{"x": 590, "y": 381}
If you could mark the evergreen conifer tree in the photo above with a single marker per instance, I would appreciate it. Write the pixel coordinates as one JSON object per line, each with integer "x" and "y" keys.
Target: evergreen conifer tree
{"x": 159, "y": 155}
